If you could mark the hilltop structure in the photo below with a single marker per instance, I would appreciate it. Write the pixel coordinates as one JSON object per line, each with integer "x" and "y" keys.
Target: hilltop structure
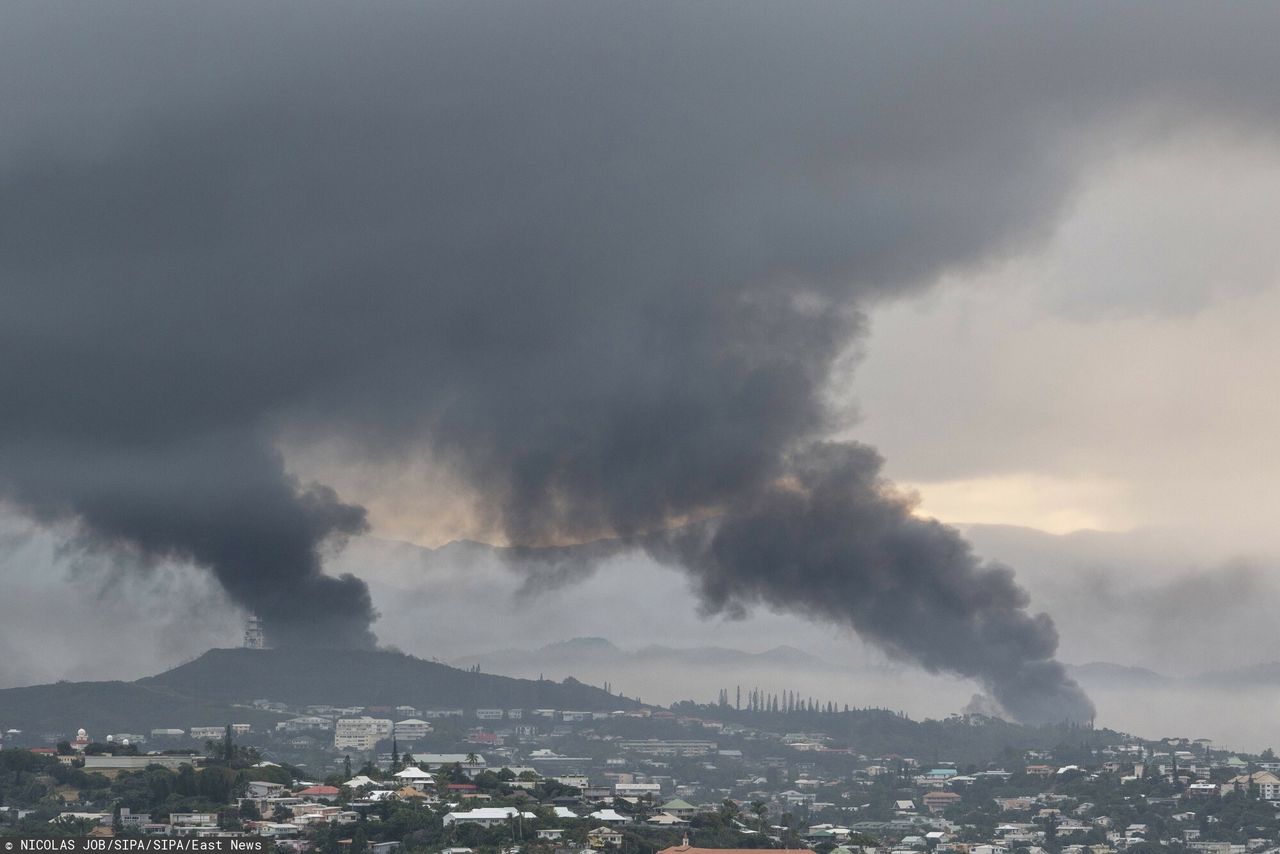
{"x": 254, "y": 636}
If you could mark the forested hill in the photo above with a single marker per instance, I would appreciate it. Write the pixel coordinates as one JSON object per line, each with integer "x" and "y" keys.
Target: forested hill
{"x": 879, "y": 732}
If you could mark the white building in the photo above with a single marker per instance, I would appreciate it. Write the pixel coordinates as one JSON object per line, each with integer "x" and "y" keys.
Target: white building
{"x": 412, "y": 729}
{"x": 275, "y": 830}
{"x": 304, "y": 723}
{"x": 1266, "y": 783}
{"x": 107, "y": 762}
{"x": 665, "y": 747}
{"x": 412, "y": 774}
{"x": 207, "y": 733}
{"x": 258, "y": 789}
{"x": 362, "y": 733}
{"x": 636, "y": 790}
{"x": 487, "y": 816}
{"x": 193, "y": 823}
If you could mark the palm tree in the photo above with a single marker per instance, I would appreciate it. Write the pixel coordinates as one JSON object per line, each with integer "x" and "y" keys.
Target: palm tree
{"x": 761, "y": 809}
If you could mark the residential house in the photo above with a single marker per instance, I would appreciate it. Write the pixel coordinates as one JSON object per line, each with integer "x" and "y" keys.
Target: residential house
{"x": 938, "y": 801}
{"x": 327, "y": 794}
{"x": 487, "y": 816}
{"x": 679, "y": 808}
{"x": 604, "y": 837}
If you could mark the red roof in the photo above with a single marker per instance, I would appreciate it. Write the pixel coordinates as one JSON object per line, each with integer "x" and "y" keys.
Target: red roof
{"x": 320, "y": 790}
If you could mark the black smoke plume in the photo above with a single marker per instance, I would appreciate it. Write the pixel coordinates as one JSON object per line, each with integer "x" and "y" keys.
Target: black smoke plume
{"x": 836, "y": 542}
{"x": 223, "y": 502}
{"x": 597, "y": 259}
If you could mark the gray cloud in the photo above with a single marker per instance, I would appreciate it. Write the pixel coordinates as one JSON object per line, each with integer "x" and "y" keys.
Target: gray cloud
{"x": 65, "y": 614}
{"x": 600, "y": 259}
{"x": 1154, "y": 598}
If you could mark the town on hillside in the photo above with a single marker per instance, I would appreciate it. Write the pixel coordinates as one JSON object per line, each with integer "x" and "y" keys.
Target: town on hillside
{"x": 757, "y": 771}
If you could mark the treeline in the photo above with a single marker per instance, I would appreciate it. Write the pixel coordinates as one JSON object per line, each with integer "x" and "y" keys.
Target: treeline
{"x": 874, "y": 732}
{"x": 782, "y": 702}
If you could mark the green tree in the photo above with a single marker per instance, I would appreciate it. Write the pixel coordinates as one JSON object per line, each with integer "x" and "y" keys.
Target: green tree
{"x": 186, "y": 782}
{"x": 761, "y": 809}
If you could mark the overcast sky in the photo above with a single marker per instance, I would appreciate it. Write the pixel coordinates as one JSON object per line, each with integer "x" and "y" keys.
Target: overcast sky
{"x": 1122, "y": 374}
{"x": 276, "y": 281}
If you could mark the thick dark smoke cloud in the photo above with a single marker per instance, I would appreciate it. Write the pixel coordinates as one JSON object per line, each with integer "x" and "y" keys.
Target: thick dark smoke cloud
{"x": 835, "y": 541}
{"x": 598, "y": 258}
{"x": 223, "y": 502}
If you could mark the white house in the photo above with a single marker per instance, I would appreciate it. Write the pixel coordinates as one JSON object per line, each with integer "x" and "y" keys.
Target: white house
{"x": 487, "y": 816}
{"x": 413, "y": 774}
{"x": 263, "y": 789}
{"x": 603, "y": 836}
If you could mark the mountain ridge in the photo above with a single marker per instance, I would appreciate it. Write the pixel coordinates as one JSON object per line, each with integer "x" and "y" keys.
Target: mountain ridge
{"x": 598, "y": 650}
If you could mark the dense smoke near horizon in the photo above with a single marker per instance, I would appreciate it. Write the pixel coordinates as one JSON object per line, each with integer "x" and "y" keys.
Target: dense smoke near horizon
{"x": 838, "y": 543}
{"x": 599, "y": 260}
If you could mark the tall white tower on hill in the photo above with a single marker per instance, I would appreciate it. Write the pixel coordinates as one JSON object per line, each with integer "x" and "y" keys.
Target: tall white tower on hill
{"x": 254, "y": 637}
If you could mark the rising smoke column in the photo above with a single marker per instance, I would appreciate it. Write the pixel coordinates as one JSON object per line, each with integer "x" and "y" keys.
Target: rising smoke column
{"x": 222, "y": 502}
{"x": 835, "y": 541}
{"x": 599, "y": 261}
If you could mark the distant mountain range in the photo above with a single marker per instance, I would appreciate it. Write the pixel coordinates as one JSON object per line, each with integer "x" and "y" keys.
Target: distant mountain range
{"x": 1106, "y": 675}
{"x": 1254, "y": 675}
{"x": 600, "y": 651}
{"x": 1103, "y": 674}
{"x": 214, "y": 688}
{"x": 597, "y": 652}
